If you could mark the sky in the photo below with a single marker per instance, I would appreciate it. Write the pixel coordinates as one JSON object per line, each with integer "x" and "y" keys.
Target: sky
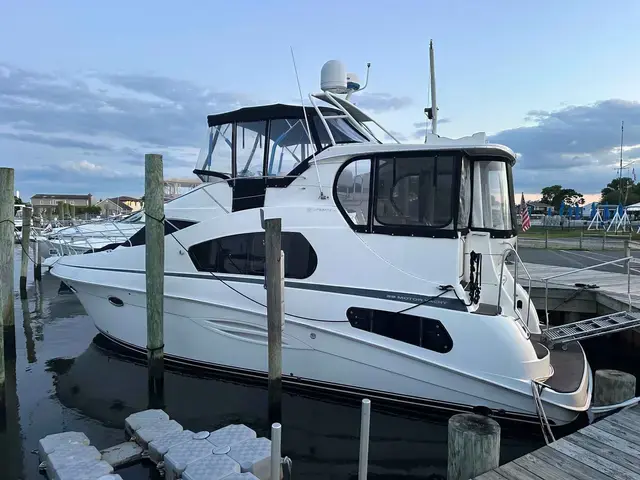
{"x": 86, "y": 88}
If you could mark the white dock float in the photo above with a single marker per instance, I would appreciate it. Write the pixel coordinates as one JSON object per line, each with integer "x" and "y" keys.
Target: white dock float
{"x": 234, "y": 452}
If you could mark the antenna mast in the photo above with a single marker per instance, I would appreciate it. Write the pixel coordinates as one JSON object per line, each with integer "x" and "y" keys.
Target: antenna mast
{"x": 432, "y": 112}
{"x": 620, "y": 171}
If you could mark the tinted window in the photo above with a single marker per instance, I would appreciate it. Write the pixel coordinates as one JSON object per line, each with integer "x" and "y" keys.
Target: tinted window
{"x": 415, "y": 191}
{"x": 170, "y": 226}
{"x": 422, "y": 332}
{"x": 352, "y": 190}
{"x": 245, "y": 255}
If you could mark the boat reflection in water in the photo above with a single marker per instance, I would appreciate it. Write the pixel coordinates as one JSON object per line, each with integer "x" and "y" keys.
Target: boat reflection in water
{"x": 321, "y": 435}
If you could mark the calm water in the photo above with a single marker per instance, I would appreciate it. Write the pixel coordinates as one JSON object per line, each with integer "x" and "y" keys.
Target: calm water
{"x": 68, "y": 378}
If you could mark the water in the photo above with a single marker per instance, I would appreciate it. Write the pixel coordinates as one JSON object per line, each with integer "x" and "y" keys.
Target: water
{"x": 70, "y": 378}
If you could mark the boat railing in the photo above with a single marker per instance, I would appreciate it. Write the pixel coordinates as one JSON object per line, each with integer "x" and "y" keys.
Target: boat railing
{"x": 628, "y": 259}
{"x": 67, "y": 243}
{"x": 507, "y": 252}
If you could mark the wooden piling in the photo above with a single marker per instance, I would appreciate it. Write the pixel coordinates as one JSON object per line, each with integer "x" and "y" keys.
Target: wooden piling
{"x": 275, "y": 313}
{"x": 612, "y": 387}
{"x": 473, "y": 446}
{"x": 546, "y": 238}
{"x": 154, "y": 268}
{"x": 581, "y": 239}
{"x": 37, "y": 261}
{"x": 24, "y": 265}
{"x": 7, "y": 243}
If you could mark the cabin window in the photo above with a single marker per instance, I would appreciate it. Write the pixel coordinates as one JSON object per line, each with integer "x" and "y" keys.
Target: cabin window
{"x": 215, "y": 155}
{"x": 289, "y": 145}
{"x": 170, "y": 226}
{"x": 492, "y": 197}
{"x": 244, "y": 254}
{"x": 352, "y": 191}
{"x": 250, "y": 147}
{"x": 415, "y": 191}
{"x": 419, "y": 331}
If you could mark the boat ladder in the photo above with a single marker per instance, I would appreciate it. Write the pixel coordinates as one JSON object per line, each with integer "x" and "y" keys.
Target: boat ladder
{"x": 594, "y": 327}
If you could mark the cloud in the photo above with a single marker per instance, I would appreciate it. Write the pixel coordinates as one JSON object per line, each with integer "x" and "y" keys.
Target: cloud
{"x": 97, "y": 124}
{"x": 381, "y": 102}
{"x": 577, "y": 146}
{"x": 421, "y": 127}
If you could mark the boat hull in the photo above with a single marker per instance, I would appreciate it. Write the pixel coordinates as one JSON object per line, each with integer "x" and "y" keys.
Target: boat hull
{"x": 320, "y": 355}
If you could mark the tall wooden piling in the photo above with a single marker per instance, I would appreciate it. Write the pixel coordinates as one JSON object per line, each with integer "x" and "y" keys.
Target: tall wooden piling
{"x": 473, "y": 446}
{"x": 7, "y": 239}
{"x": 612, "y": 387}
{"x": 275, "y": 313}
{"x": 154, "y": 267}
{"x": 26, "y": 237}
{"x": 37, "y": 261}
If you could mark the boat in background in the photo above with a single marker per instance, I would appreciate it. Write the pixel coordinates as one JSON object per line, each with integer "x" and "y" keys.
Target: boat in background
{"x": 89, "y": 237}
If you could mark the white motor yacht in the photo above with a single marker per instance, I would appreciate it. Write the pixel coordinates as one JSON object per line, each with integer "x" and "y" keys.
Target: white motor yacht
{"x": 395, "y": 278}
{"x": 86, "y": 238}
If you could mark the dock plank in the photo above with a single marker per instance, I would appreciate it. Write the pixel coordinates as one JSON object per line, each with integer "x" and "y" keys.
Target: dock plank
{"x": 625, "y": 420}
{"x": 569, "y": 465}
{"x": 593, "y": 460}
{"x": 620, "y": 458}
{"x": 513, "y": 471}
{"x": 544, "y": 469}
{"x": 619, "y": 431}
{"x": 491, "y": 475}
{"x": 611, "y": 440}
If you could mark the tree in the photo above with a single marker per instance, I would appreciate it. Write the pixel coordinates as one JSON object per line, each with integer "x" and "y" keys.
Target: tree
{"x": 555, "y": 195}
{"x": 611, "y": 194}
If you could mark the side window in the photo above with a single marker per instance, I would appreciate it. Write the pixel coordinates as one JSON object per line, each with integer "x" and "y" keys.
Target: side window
{"x": 289, "y": 145}
{"x": 352, "y": 191}
{"x": 170, "y": 226}
{"x": 215, "y": 154}
{"x": 250, "y": 146}
{"x": 419, "y": 331}
{"x": 415, "y": 191}
{"x": 245, "y": 255}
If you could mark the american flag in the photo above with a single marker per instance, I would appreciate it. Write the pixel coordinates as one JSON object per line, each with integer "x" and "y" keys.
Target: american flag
{"x": 524, "y": 215}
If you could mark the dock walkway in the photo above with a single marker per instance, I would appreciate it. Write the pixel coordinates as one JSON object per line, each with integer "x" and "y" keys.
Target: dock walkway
{"x": 610, "y": 284}
{"x": 607, "y": 449}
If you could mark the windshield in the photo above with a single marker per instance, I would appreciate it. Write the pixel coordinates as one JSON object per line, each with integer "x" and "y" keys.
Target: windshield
{"x": 492, "y": 197}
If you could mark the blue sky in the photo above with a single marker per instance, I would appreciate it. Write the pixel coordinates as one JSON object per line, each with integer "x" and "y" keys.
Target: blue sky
{"x": 87, "y": 88}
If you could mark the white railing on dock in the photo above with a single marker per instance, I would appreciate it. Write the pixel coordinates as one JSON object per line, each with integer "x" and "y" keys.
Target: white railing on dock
{"x": 628, "y": 259}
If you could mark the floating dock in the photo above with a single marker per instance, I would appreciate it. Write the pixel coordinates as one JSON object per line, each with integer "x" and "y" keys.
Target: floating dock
{"x": 234, "y": 452}
{"x": 607, "y": 449}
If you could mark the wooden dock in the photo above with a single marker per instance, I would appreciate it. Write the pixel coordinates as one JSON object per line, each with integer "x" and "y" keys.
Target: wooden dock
{"x": 611, "y": 286}
{"x": 607, "y": 449}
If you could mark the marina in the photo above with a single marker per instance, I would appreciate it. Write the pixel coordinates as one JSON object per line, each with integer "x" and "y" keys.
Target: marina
{"x": 325, "y": 298}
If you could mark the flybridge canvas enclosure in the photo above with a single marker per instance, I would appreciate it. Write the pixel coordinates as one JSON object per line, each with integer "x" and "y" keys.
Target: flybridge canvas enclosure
{"x": 271, "y": 140}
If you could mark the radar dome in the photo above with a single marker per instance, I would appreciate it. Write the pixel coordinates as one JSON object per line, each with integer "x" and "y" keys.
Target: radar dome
{"x": 353, "y": 82}
{"x": 333, "y": 77}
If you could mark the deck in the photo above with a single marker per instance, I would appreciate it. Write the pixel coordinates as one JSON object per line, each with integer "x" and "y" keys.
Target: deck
{"x": 607, "y": 449}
